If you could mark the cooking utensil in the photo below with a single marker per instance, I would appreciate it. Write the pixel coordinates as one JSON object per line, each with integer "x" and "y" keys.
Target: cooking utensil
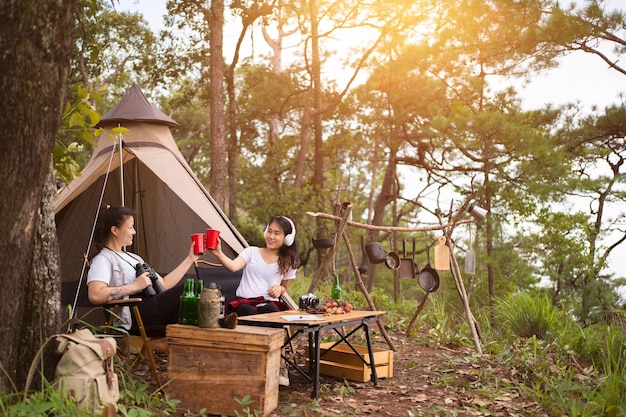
{"x": 323, "y": 243}
{"x": 428, "y": 278}
{"x": 470, "y": 262}
{"x": 406, "y": 269}
{"x": 442, "y": 255}
{"x": 417, "y": 271}
{"x": 375, "y": 252}
{"x": 470, "y": 258}
{"x": 392, "y": 260}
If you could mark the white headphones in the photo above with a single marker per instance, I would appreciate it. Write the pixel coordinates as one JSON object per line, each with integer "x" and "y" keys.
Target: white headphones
{"x": 291, "y": 237}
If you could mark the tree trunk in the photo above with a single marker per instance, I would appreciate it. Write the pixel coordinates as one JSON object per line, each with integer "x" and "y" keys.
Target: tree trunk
{"x": 385, "y": 196}
{"x": 36, "y": 38}
{"x": 43, "y": 290}
{"x": 217, "y": 181}
{"x": 316, "y": 75}
{"x": 491, "y": 273}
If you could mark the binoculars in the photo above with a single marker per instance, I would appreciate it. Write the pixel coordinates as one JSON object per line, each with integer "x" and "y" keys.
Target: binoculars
{"x": 156, "y": 287}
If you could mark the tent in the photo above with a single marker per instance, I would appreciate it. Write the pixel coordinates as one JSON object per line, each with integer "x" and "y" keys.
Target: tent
{"x": 157, "y": 182}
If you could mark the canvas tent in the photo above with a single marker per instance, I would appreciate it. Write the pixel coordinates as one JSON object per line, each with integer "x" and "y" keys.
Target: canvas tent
{"x": 170, "y": 202}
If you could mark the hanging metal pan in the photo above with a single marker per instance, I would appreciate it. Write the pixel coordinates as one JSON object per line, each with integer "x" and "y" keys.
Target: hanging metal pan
{"x": 407, "y": 265}
{"x": 392, "y": 260}
{"x": 428, "y": 277}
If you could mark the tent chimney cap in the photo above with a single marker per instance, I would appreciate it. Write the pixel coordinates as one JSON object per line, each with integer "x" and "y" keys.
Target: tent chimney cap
{"x": 135, "y": 107}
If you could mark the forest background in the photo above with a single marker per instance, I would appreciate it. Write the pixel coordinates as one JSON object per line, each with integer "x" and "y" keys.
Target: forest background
{"x": 423, "y": 117}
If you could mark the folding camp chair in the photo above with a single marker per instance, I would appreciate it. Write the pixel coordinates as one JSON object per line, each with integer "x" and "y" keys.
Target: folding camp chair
{"x": 113, "y": 308}
{"x": 227, "y": 281}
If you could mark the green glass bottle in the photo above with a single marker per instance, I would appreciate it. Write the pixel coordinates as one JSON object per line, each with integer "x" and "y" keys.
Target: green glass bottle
{"x": 336, "y": 290}
{"x": 196, "y": 298}
{"x": 186, "y": 299}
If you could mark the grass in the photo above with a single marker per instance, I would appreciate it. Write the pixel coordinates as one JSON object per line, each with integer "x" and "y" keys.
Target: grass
{"x": 571, "y": 370}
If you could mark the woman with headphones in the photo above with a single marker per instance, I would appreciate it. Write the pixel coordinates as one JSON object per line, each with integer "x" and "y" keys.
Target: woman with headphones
{"x": 267, "y": 271}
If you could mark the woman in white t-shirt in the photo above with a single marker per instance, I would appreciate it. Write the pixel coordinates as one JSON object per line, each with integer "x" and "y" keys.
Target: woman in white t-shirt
{"x": 113, "y": 274}
{"x": 267, "y": 271}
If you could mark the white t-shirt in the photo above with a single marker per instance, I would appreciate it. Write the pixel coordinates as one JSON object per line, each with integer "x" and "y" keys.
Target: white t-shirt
{"x": 116, "y": 269}
{"x": 258, "y": 276}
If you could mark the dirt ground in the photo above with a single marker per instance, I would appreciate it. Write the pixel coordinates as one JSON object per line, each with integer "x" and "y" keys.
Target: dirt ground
{"x": 427, "y": 381}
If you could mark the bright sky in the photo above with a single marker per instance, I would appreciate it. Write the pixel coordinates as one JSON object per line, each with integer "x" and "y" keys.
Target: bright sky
{"x": 581, "y": 77}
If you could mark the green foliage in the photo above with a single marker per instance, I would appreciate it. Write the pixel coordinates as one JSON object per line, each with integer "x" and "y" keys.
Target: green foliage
{"x": 77, "y": 130}
{"x": 113, "y": 48}
{"x": 525, "y": 315}
{"x": 136, "y": 400}
{"x": 574, "y": 371}
{"x": 38, "y": 403}
{"x": 247, "y": 411}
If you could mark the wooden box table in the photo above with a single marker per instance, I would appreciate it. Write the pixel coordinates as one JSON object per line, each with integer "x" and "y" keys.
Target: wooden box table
{"x": 211, "y": 368}
{"x": 313, "y": 325}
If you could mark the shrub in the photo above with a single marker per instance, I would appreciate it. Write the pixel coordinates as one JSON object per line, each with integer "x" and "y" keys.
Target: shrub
{"x": 524, "y": 315}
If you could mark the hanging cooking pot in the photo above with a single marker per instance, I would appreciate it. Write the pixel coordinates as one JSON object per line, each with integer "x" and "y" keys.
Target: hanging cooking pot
{"x": 428, "y": 277}
{"x": 375, "y": 252}
{"x": 323, "y": 242}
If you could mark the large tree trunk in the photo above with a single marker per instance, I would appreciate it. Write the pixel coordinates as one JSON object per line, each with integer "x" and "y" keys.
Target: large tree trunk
{"x": 36, "y": 41}
{"x": 218, "y": 169}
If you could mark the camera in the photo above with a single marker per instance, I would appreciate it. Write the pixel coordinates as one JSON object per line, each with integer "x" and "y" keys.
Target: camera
{"x": 156, "y": 287}
{"x": 308, "y": 301}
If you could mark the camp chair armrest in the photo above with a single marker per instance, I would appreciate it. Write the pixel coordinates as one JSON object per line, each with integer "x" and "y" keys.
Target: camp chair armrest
{"x": 213, "y": 264}
{"x": 125, "y": 302}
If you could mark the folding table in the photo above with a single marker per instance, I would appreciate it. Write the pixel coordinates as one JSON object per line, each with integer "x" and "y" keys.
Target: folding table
{"x": 313, "y": 325}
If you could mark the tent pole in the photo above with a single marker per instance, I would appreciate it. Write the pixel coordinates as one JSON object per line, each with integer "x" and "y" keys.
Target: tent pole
{"x": 119, "y": 136}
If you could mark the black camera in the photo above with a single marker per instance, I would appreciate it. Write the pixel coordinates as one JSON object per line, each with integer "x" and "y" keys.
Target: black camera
{"x": 308, "y": 301}
{"x": 156, "y": 287}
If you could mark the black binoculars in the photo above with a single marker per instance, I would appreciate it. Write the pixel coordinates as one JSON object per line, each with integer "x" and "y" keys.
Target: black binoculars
{"x": 156, "y": 287}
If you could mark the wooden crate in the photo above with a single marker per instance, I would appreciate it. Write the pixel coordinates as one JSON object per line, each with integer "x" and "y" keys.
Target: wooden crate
{"x": 211, "y": 368}
{"x": 342, "y": 362}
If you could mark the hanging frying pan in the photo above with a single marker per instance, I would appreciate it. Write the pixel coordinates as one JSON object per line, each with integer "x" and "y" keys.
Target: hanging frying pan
{"x": 407, "y": 265}
{"x": 392, "y": 260}
{"x": 428, "y": 277}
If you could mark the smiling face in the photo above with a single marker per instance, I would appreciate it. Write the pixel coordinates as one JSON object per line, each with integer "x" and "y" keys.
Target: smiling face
{"x": 123, "y": 235}
{"x": 275, "y": 236}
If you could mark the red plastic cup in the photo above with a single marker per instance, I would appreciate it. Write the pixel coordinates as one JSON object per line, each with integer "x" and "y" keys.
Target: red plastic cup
{"x": 198, "y": 243}
{"x": 211, "y": 238}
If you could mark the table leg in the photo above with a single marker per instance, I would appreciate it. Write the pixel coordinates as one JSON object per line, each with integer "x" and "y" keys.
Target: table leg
{"x": 316, "y": 370}
{"x": 371, "y": 352}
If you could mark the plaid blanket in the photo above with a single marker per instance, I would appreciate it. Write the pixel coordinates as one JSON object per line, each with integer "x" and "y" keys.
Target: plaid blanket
{"x": 255, "y": 302}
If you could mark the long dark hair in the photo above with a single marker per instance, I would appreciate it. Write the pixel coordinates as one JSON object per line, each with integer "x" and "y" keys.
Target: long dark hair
{"x": 287, "y": 255}
{"x": 108, "y": 217}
